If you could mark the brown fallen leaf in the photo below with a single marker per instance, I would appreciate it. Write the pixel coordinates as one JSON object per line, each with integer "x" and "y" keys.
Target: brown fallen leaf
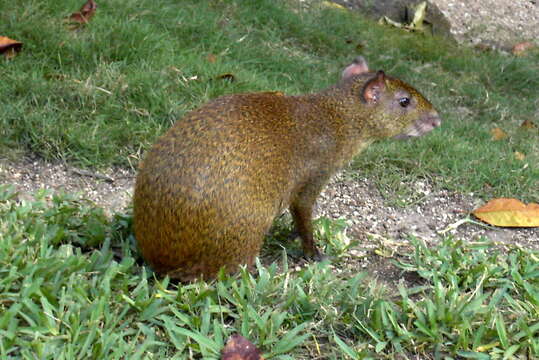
{"x": 227, "y": 76}
{"x": 519, "y": 156}
{"x": 509, "y": 213}
{"x": 521, "y": 48}
{"x": 358, "y": 46}
{"x": 483, "y": 47}
{"x": 9, "y": 47}
{"x": 498, "y": 134}
{"x": 528, "y": 124}
{"x": 211, "y": 58}
{"x": 239, "y": 348}
{"x": 85, "y": 13}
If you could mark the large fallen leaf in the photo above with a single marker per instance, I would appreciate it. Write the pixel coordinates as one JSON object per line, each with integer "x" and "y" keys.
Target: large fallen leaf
{"x": 239, "y": 348}
{"x": 509, "y": 213}
{"x": 85, "y": 13}
{"x": 9, "y": 47}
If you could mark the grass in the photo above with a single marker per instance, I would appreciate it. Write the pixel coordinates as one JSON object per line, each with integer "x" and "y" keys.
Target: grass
{"x": 72, "y": 284}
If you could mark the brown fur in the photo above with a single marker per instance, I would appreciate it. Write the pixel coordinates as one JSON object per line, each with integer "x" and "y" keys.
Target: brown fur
{"x": 208, "y": 191}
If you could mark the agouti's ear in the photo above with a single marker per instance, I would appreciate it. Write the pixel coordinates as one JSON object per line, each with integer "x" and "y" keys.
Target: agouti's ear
{"x": 374, "y": 88}
{"x": 358, "y": 66}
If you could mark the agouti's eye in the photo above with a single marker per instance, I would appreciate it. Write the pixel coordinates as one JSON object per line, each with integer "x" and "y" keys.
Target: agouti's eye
{"x": 404, "y": 102}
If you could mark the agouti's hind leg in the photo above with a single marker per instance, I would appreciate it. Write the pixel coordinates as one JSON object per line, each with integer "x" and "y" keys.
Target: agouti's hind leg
{"x": 301, "y": 211}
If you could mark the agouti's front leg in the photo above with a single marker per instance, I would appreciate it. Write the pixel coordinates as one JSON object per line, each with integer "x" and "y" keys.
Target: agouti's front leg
{"x": 301, "y": 210}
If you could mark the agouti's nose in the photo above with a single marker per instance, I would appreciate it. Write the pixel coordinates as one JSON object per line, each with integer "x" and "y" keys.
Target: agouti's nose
{"x": 434, "y": 119}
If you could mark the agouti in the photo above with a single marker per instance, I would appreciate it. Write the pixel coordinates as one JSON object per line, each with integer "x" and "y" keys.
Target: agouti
{"x": 209, "y": 189}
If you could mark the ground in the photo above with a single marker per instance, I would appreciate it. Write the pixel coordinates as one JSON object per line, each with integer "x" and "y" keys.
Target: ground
{"x": 382, "y": 231}
{"x": 379, "y": 228}
{"x": 370, "y": 218}
{"x": 495, "y": 23}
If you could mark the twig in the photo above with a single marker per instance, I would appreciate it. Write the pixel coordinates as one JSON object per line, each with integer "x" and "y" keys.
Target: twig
{"x": 92, "y": 174}
{"x": 466, "y": 220}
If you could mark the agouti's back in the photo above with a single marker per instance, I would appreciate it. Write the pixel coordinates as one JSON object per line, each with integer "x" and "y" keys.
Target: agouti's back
{"x": 209, "y": 189}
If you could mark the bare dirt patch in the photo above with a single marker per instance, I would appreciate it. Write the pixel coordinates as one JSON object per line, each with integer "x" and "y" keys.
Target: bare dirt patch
{"x": 440, "y": 212}
{"x": 111, "y": 189}
{"x": 384, "y": 231}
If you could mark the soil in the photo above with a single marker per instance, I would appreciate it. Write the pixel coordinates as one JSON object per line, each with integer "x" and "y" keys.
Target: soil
{"x": 382, "y": 230}
{"x": 111, "y": 190}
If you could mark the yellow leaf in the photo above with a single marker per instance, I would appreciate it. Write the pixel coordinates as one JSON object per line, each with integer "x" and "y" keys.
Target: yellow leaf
{"x": 486, "y": 347}
{"x": 419, "y": 16}
{"x": 333, "y": 5}
{"x": 387, "y": 21}
{"x": 498, "y": 134}
{"x": 419, "y": 12}
{"x": 509, "y": 213}
{"x": 519, "y": 156}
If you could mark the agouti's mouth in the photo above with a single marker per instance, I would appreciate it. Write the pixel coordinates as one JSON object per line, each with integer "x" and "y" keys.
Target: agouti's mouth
{"x": 421, "y": 126}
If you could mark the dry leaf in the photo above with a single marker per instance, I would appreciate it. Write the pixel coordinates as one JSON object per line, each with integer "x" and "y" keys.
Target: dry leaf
{"x": 239, "y": 348}
{"x": 483, "y": 46}
{"x": 528, "y": 124}
{"x": 333, "y": 5}
{"x": 227, "y": 76}
{"x": 9, "y": 47}
{"x": 519, "y": 156}
{"x": 521, "y": 48}
{"x": 387, "y": 21}
{"x": 211, "y": 58}
{"x": 419, "y": 12}
{"x": 509, "y": 213}
{"x": 498, "y": 134}
{"x": 85, "y": 13}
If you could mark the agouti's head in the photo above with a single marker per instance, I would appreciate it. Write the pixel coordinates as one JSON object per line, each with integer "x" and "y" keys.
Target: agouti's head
{"x": 395, "y": 109}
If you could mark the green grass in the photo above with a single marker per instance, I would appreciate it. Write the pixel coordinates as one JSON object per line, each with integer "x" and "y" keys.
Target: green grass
{"x": 101, "y": 95}
{"x": 72, "y": 287}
